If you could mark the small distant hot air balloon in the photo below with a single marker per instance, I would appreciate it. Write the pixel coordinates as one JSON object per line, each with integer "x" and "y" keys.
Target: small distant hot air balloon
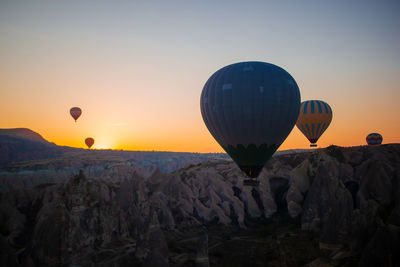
{"x": 374, "y": 139}
{"x": 314, "y": 118}
{"x": 89, "y": 142}
{"x": 250, "y": 108}
{"x": 75, "y": 112}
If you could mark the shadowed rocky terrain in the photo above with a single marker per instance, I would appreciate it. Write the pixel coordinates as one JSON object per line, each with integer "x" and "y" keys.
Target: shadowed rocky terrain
{"x": 27, "y": 159}
{"x": 330, "y": 207}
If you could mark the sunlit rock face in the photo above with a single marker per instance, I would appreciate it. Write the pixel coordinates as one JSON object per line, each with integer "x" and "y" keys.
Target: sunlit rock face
{"x": 347, "y": 197}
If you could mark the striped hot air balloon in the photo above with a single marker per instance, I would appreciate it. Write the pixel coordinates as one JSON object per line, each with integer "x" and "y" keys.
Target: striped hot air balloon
{"x": 374, "y": 139}
{"x": 250, "y": 108}
{"x": 314, "y": 118}
{"x": 75, "y": 112}
{"x": 89, "y": 142}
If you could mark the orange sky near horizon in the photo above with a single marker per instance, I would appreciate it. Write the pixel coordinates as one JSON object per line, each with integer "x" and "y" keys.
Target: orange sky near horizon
{"x": 138, "y": 76}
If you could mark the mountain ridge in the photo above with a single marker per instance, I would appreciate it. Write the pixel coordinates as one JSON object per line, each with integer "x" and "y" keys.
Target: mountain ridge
{"x": 25, "y": 133}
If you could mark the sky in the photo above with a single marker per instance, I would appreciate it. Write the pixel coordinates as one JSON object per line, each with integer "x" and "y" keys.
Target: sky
{"x": 137, "y": 68}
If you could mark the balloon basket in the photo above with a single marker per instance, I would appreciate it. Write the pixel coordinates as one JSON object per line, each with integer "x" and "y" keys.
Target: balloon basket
{"x": 251, "y": 182}
{"x": 313, "y": 145}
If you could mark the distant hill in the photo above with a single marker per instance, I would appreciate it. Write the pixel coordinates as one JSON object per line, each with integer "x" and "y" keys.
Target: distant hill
{"x": 22, "y": 144}
{"x": 27, "y": 159}
{"x": 23, "y": 133}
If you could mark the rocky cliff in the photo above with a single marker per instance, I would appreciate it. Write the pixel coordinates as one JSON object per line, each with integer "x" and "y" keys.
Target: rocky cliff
{"x": 330, "y": 207}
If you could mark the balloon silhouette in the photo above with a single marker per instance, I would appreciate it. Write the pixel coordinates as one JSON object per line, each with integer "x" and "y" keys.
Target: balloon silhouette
{"x": 250, "y": 108}
{"x": 374, "y": 139}
{"x": 75, "y": 112}
{"x": 89, "y": 142}
{"x": 314, "y": 118}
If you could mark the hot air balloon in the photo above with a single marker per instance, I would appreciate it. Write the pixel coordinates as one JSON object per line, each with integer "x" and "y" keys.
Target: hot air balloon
{"x": 314, "y": 118}
{"x": 250, "y": 108}
{"x": 75, "y": 112}
{"x": 89, "y": 142}
{"x": 374, "y": 139}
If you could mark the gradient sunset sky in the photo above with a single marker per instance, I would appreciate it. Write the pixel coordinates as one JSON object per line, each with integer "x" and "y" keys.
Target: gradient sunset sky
{"x": 137, "y": 68}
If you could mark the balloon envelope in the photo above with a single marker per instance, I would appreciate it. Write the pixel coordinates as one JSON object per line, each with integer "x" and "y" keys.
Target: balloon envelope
{"x": 314, "y": 118}
{"x": 75, "y": 112}
{"x": 250, "y": 108}
{"x": 89, "y": 142}
{"x": 374, "y": 139}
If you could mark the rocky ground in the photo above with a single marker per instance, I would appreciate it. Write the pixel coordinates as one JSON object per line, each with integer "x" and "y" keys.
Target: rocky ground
{"x": 331, "y": 207}
{"x": 27, "y": 159}
{"x": 96, "y": 164}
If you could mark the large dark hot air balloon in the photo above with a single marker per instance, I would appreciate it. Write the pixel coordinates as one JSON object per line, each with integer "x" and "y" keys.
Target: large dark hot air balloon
{"x": 250, "y": 108}
{"x": 89, "y": 142}
{"x": 374, "y": 139}
{"x": 75, "y": 112}
{"x": 314, "y": 118}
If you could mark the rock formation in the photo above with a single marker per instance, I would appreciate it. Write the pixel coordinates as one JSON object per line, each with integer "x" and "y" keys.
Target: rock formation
{"x": 346, "y": 201}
